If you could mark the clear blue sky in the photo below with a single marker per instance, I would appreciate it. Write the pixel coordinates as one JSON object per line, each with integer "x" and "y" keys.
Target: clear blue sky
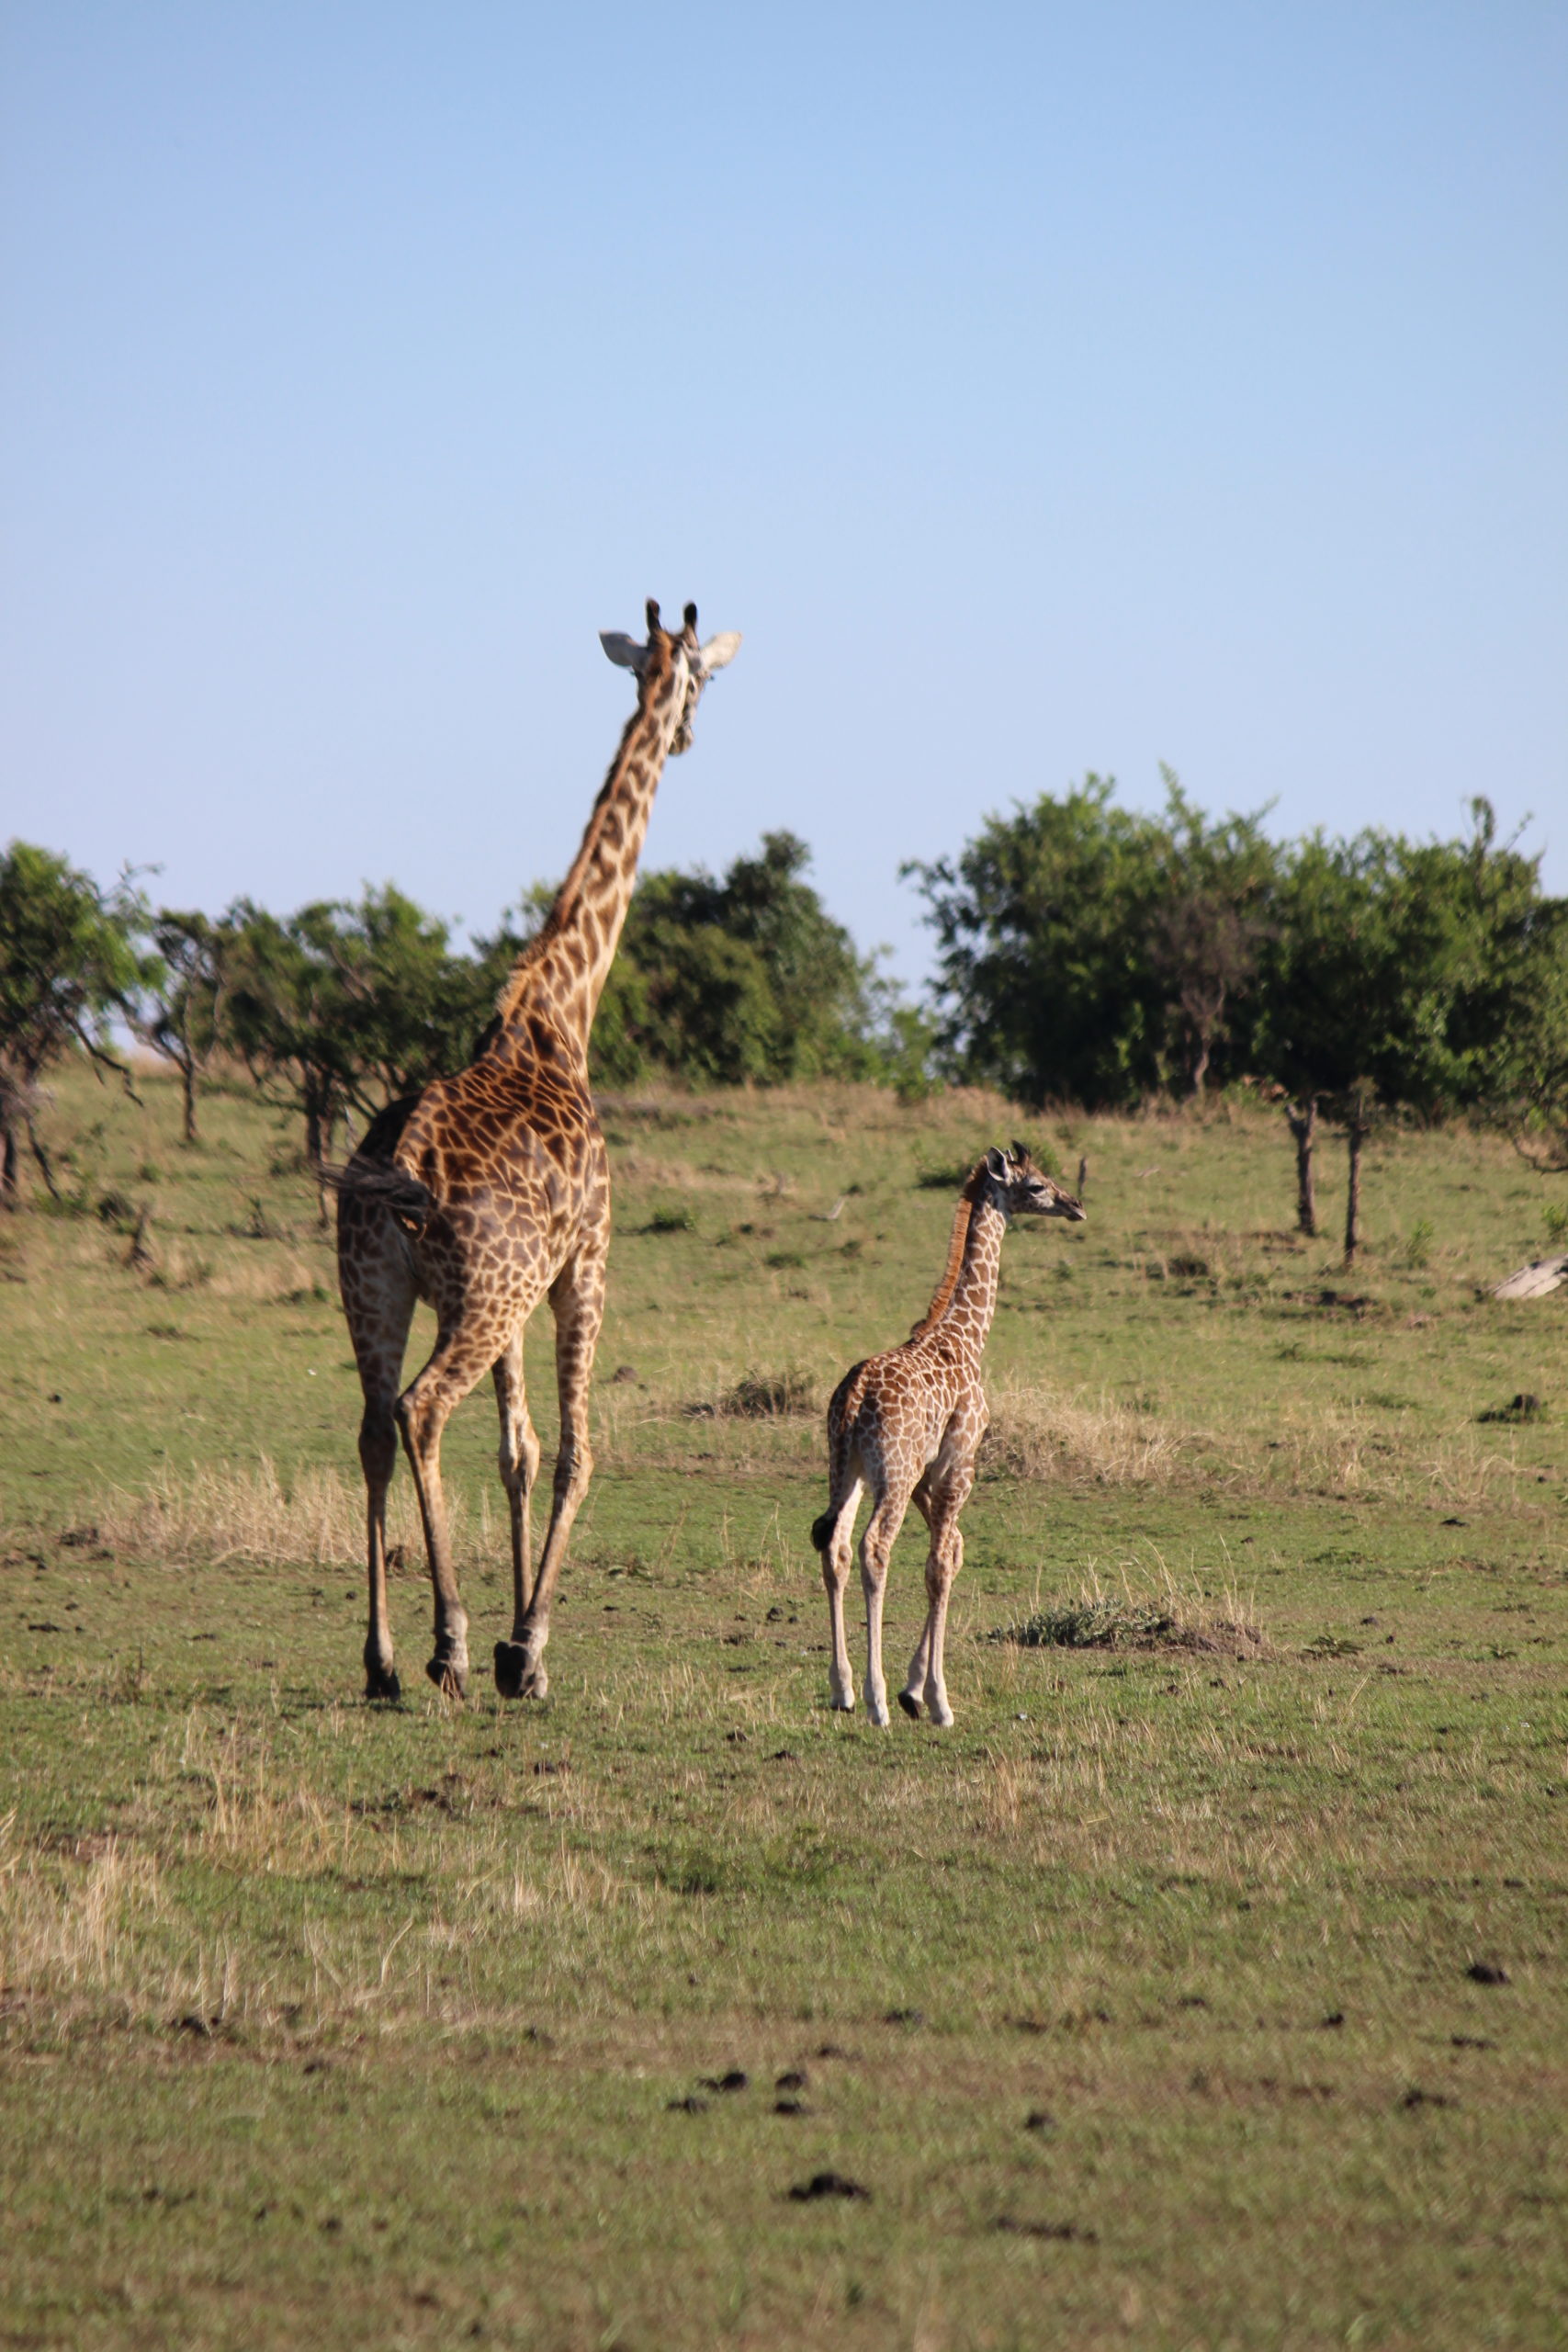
{"x": 1039, "y": 387}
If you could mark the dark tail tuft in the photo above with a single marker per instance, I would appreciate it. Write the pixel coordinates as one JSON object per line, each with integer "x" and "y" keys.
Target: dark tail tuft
{"x": 822, "y": 1529}
{"x": 381, "y": 1184}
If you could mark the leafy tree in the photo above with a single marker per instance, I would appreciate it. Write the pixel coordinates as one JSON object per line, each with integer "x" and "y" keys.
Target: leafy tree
{"x": 1399, "y": 976}
{"x": 1209, "y": 924}
{"x": 743, "y": 979}
{"x": 182, "y": 1019}
{"x": 340, "y": 1008}
{"x": 1085, "y": 950}
{"x": 748, "y": 978}
{"x": 286, "y": 1013}
{"x": 414, "y": 1007}
{"x": 1532, "y": 1100}
{"x": 73, "y": 960}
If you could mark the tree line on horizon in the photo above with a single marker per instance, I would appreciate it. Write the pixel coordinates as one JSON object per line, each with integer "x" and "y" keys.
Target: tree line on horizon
{"x": 1088, "y": 954}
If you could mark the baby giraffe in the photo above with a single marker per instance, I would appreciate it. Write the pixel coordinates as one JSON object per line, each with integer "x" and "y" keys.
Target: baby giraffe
{"x": 908, "y": 1424}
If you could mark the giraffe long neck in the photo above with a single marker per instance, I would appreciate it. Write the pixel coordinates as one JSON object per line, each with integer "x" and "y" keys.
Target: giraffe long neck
{"x": 958, "y": 1243}
{"x": 972, "y": 1303}
{"x": 562, "y": 971}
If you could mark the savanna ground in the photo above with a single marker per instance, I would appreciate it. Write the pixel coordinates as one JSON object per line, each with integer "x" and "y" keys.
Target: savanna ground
{"x": 1203, "y": 1987}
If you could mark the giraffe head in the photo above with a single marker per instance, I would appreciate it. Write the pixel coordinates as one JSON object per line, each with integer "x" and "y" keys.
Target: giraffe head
{"x": 692, "y": 663}
{"x": 1020, "y": 1189}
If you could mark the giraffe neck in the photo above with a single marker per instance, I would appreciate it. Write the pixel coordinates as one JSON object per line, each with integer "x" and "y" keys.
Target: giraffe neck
{"x": 562, "y": 971}
{"x": 967, "y": 1315}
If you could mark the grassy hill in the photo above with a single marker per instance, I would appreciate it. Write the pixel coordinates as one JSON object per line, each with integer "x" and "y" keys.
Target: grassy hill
{"x": 1204, "y": 1985}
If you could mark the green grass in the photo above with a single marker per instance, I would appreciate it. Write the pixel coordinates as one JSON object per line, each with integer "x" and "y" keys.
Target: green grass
{"x": 1141, "y": 2002}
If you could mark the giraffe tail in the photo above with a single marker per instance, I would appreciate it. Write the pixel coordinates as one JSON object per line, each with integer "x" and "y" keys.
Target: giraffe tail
{"x": 840, "y": 1417}
{"x": 383, "y": 1184}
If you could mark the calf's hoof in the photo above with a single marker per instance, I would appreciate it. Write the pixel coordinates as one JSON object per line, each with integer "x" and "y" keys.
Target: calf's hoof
{"x": 381, "y": 1682}
{"x": 516, "y": 1677}
{"x": 910, "y": 1705}
{"x": 450, "y": 1679}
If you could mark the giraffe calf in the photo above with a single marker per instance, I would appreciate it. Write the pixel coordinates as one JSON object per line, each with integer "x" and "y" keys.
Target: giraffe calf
{"x": 908, "y": 1423}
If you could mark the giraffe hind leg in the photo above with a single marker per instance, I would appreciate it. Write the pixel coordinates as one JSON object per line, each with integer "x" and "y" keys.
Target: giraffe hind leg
{"x": 834, "y": 1537}
{"x": 519, "y": 1468}
{"x": 378, "y": 1304}
{"x": 461, "y": 1358}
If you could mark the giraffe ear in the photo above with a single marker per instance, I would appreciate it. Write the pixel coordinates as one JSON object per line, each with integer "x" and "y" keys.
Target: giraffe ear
{"x": 720, "y": 651}
{"x": 996, "y": 1162}
{"x": 624, "y": 651}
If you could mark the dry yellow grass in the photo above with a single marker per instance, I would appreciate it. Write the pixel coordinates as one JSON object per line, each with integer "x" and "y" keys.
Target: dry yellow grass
{"x": 1054, "y": 1435}
{"x": 1049, "y": 1433}
{"x": 224, "y": 1513}
{"x": 70, "y": 1923}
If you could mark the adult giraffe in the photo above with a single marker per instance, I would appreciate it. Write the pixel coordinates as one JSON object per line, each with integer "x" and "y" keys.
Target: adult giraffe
{"x": 485, "y": 1190}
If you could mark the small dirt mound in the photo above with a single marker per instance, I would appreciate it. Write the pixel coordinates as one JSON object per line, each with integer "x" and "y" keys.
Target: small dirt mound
{"x": 1111, "y": 1621}
{"x": 771, "y": 1395}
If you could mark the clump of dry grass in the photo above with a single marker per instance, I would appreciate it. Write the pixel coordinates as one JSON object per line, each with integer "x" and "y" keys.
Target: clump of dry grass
{"x": 269, "y": 1280}
{"x": 1346, "y": 1451}
{"x": 225, "y": 1513}
{"x": 766, "y": 1395}
{"x": 71, "y": 1925}
{"x": 1046, "y": 1433}
{"x": 1147, "y": 1607}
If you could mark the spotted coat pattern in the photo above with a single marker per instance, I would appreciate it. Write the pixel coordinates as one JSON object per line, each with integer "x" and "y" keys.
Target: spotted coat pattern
{"x": 908, "y": 1423}
{"x": 490, "y": 1190}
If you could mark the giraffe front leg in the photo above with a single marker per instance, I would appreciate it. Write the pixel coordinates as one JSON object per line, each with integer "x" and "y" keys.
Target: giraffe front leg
{"x": 422, "y": 1414}
{"x": 912, "y": 1696}
{"x": 577, "y": 1298}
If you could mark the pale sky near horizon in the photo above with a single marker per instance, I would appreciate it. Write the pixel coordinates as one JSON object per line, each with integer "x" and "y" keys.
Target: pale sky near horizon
{"x": 1040, "y": 388}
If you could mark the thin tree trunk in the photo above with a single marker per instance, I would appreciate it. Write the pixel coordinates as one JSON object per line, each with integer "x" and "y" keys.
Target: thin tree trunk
{"x": 319, "y": 1125}
{"x": 188, "y": 1082}
{"x": 9, "y": 1188}
{"x": 1303, "y": 1124}
{"x": 1356, "y": 1134}
{"x": 46, "y": 1165}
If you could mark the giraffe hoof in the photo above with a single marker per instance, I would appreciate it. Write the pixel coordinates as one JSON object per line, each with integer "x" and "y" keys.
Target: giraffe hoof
{"x": 450, "y": 1679}
{"x": 910, "y": 1705}
{"x": 381, "y": 1682}
{"x": 511, "y": 1668}
{"x": 516, "y": 1677}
